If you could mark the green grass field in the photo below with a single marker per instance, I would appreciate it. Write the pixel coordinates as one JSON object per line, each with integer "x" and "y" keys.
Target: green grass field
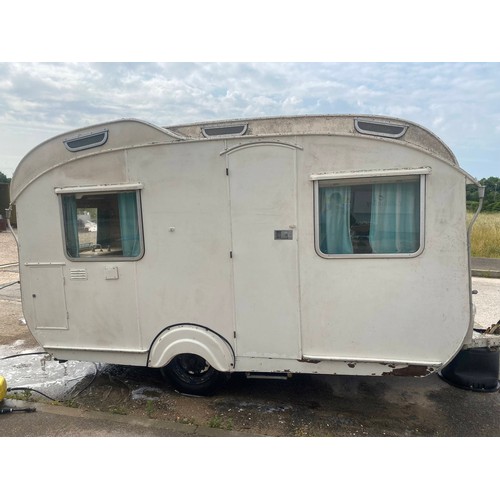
{"x": 485, "y": 239}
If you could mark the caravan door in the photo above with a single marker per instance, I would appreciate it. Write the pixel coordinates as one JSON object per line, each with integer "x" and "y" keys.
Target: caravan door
{"x": 103, "y": 242}
{"x": 263, "y": 194}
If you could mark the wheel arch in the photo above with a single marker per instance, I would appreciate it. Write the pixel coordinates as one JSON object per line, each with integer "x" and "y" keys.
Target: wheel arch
{"x": 191, "y": 339}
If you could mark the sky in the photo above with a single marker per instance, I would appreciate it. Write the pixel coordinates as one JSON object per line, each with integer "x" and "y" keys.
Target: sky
{"x": 65, "y": 66}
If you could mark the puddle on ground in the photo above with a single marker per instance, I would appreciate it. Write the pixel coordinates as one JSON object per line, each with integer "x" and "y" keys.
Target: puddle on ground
{"x": 147, "y": 393}
{"x": 241, "y": 406}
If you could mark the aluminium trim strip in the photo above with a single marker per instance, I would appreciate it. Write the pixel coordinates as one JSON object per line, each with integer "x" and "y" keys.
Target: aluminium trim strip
{"x": 99, "y": 188}
{"x": 372, "y": 360}
{"x": 357, "y": 174}
{"x": 95, "y": 349}
{"x": 44, "y": 264}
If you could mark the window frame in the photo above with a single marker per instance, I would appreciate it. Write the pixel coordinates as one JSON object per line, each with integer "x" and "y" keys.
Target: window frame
{"x": 88, "y": 141}
{"x": 376, "y": 178}
{"x": 104, "y": 190}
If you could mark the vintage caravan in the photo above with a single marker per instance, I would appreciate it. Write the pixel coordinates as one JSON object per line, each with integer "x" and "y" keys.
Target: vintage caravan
{"x": 310, "y": 244}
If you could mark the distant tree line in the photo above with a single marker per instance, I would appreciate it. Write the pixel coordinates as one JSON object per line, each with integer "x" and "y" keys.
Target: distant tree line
{"x": 4, "y": 178}
{"x": 491, "y": 196}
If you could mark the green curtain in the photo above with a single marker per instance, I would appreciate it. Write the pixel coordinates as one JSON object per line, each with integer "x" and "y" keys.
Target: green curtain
{"x": 104, "y": 225}
{"x": 71, "y": 225}
{"x": 335, "y": 212}
{"x": 395, "y": 218}
{"x": 129, "y": 225}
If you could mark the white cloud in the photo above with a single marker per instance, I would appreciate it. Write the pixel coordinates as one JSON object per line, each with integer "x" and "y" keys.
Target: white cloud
{"x": 460, "y": 102}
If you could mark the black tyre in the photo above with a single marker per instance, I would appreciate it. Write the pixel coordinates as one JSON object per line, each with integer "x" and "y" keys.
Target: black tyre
{"x": 191, "y": 374}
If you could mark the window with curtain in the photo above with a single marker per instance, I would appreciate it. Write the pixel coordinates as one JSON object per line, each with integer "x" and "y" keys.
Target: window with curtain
{"x": 102, "y": 225}
{"x": 369, "y": 216}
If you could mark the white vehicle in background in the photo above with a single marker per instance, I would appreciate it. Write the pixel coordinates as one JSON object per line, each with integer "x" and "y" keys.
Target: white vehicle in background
{"x": 91, "y": 227}
{"x": 310, "y": 244}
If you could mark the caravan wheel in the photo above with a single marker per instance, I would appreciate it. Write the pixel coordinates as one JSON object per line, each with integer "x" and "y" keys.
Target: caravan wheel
{"x": 192, "y": 374}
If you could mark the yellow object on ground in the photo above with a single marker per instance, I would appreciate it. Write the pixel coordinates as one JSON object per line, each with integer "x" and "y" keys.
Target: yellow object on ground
{"x": 3, "y": 388}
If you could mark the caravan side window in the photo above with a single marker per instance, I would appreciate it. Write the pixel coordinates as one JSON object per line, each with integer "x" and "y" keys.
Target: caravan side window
{"x": 102, "y": 225}
{"x": 369, "y": 217}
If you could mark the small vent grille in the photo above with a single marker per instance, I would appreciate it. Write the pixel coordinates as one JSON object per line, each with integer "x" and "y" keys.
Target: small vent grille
{"x": 78, "y": 274}
{"x": 380, "y": 128}
{"x": 86, "y": 141}
{"x": 225, "y": 130}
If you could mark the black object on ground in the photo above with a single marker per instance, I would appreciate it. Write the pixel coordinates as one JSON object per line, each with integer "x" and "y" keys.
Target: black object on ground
{"x": 474, "y": 370}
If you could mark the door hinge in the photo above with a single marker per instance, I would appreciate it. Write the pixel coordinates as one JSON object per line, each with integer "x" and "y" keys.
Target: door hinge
{"x": 230, "y": 254}
{"x": 227, "y": 171}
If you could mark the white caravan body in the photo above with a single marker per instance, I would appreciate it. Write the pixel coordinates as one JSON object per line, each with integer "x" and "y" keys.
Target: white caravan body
{"x": 312, "y": 244}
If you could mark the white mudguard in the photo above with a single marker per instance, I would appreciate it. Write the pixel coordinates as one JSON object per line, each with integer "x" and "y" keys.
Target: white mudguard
{"x": 190, "y": 339}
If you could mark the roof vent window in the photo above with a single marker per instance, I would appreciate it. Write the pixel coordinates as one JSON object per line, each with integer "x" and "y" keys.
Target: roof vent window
{"x": 86, "y": 141}
{"x": 240, "y": 129}
{"x": 380, "y": 128}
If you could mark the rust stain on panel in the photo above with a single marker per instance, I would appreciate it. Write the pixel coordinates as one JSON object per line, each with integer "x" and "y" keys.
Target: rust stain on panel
{"x": 410, "y": 371}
